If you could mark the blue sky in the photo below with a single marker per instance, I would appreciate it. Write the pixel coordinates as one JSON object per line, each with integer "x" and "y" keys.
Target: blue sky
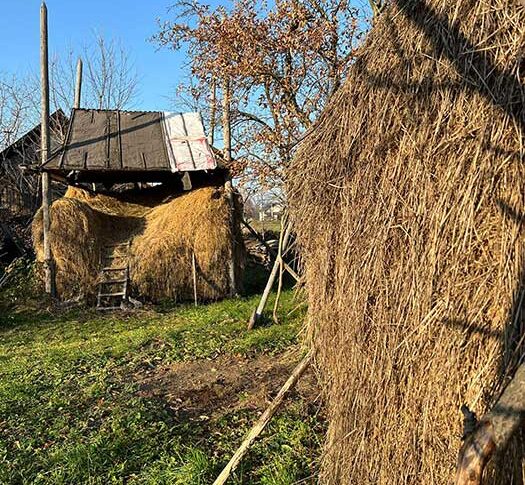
{"x": 72, "y": 23}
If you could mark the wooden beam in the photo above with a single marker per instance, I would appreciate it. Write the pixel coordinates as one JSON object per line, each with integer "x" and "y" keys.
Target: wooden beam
{"x": 257, "y": 236}
{"x": 263, "y": 420}
{"x": 493, "y": 432}
{"x": 194, "y": 272}
{"x": 213, "y": 111}
{"x": 49, "y": 274}
{"x": 257, "y": 314}
{"x": 226, "y": 120}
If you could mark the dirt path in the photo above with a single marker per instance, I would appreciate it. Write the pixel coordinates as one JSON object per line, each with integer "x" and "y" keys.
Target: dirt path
{"x": 212, "y": 388}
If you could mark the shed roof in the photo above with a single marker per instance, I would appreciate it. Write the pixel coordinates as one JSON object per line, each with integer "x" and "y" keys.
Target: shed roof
{"x": 57, "y": 124}
{"x": 133, "y": 141}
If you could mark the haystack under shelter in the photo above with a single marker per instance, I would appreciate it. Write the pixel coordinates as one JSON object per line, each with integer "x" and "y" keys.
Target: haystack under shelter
{"x": 146, "y": 212}
{"x": 408, "y": 200}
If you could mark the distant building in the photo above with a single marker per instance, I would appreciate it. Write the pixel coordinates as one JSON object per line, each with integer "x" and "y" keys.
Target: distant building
{"x": 20, "y": 191}
{"x": 272, "y": 212}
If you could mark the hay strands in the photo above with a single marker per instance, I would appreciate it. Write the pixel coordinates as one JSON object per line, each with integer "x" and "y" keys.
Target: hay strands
{"x": 9, "y": 271}
{"x": 493, "y": 432}
{"x": 283, "y": 243}
{"x": 264, "y": 419}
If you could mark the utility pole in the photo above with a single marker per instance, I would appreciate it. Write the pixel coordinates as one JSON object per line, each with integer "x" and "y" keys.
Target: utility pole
{"x": 49, "y": 273}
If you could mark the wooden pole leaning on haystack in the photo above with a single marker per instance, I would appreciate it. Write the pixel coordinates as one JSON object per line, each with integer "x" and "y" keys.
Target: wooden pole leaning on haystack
{"x": 493, "y": 432}
{"x": 263, "y": 420}
{"x": 283, "y": 243}
{"x": 49, "y": 273}
{"x": 78, "y": 85}
{"x": 228, "y": 187}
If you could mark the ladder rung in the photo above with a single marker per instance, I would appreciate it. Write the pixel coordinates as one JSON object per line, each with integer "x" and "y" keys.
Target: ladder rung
{"x": 120, "y": 293}
{"x": 108, "y": 308}
{"x": 111, "y": 282}
{"x": 115, "y": 256}
{"x": 108, "y": 268}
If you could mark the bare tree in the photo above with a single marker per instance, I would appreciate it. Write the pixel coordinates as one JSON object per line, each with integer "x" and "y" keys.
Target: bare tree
{"x": 110, "y": 77}
{"x": 112, "y": 80}
{"x": 14, "y": 107}
{"x": 16, "y": 190}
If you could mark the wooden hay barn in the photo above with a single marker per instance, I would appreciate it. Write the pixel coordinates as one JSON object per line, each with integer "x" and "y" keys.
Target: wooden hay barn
{"x": 146, "y": 213}
{"x": 408, "y": 200}
{"x": 19, "y": 190}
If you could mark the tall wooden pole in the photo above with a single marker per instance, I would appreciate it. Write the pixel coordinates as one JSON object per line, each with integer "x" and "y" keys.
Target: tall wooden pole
{"x": 213, "y": 111}
{"x": 228, "y": 187}
{"x": 226, "y": 120}
{"x": 49, "y": 274}
{"x": 78, "y": 85}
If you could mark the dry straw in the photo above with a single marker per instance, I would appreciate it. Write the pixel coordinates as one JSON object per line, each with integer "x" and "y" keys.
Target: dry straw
{"x": 408, "y": 199}
{"x": 164, "y": 231}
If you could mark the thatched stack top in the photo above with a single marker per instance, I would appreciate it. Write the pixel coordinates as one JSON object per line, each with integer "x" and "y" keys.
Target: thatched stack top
{"x": 408, "y": 198}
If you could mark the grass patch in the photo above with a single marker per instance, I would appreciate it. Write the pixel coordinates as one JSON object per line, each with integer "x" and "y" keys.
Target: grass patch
{"x": 70, "y": 411}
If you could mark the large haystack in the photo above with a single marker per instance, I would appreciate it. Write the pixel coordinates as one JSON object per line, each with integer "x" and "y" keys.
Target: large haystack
{"x": 165, "y": 230}
{"x": 408, "y": 199}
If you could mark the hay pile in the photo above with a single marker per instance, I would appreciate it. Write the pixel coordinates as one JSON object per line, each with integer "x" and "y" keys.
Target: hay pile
{"x": 408, "y": 199}
{"x": 164, "y": 234}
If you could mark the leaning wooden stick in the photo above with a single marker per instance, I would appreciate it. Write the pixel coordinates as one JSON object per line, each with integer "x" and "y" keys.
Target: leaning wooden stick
{"x": 281, "y": 270}
{"x": 493, "y": 432}
{"x": 263, "y": 420}
{"x": 257, "y": 314}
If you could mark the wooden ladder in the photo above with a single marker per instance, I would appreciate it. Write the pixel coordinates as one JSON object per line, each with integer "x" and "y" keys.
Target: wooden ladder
{"x": 114, "y": 276}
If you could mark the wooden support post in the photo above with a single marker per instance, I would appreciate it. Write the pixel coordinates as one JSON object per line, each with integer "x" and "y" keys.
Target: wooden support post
{"x": 78, "y": 85}
{"x": 194, "y": 270}
{"x": 49, "y": 274}
{"x": 226, "y": 120}
{"x": 257, "y": 314}
{"x": 263, "y": 420}
{"x": 213, "y": 111}
{"x": 281, "y": 271}
{"x": 493, "y": 432}
{"x": 228, "y": 187}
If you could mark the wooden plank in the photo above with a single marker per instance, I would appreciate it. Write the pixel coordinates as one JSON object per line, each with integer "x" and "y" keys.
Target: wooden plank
{"x": 113, "y": 141}
{"x": 263, "y": 420}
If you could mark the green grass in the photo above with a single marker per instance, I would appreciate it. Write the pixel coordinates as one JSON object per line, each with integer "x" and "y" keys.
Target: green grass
{"x": 70, "y": 412}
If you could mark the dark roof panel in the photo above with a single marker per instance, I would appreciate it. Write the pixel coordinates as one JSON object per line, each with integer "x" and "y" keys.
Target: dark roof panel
{"x": 108, "y": 140}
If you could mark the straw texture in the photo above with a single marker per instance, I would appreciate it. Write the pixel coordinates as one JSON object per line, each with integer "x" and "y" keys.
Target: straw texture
{"x": 408, "y": 199}
{"x": 164, "y": 231}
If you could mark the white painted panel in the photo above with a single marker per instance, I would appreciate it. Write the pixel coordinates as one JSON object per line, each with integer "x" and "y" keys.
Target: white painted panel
{"x": 186, "y": 141}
